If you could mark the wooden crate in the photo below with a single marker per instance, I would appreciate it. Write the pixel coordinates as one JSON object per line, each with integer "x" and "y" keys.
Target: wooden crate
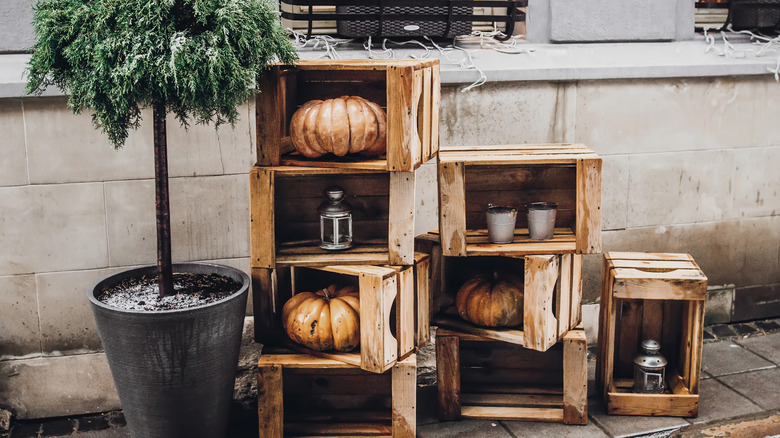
{"x": 479, "y": 378}
{"x": 285, "y": 223}
{"x": 408, "y": 91}
{"x": 658, "y": 296}
{"x": 552, "y": 294}
{"x": 303, "y": 395}
{"x": 393, "y": 308}
{"x": 516, "y": 175}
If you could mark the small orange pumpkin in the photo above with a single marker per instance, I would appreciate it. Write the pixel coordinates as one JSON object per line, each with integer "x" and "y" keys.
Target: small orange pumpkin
{"x": 491, "y": 302}
{"x": 328, "y": 319}
{"x": 341, "y": 126}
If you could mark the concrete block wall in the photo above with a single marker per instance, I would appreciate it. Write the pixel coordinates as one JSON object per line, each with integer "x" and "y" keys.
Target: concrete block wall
{"x": 688, "y": 167}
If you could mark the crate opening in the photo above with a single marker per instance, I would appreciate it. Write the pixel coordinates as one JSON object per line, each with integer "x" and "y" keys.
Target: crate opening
{"x": 459, "y": 270}
{"x": 492, "y": 369}
{"x": 637, "y": 320}
{"x": 334, "y": 400}
{"x": 297, "y": 220}
{"x": 519, "y": 185}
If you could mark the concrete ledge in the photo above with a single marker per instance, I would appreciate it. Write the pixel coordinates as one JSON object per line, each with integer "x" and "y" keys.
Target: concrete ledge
{"x": 57, "y": 386}
{"x": 548, "y": 62}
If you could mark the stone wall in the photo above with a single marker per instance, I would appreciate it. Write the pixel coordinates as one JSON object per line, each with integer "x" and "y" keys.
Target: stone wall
{"x": 689, "y": 165}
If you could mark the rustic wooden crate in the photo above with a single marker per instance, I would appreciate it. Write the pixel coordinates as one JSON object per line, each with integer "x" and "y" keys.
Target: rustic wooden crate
{"x": 479, "y": 378}
{"x": 393, "y": 308}
{"x": 658, "y": 296}
{"x": 516, "y": 175}
{"x": 552, "y": 293}
{"x": 285, "y": 227}
{"x": 408, "y": 91}
{"x": 304, "y": 395}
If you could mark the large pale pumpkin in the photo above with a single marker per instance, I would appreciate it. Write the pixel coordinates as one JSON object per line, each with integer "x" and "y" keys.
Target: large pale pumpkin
{"x": 341, "y": 126}
{"x": 328, "y": 319}
{"x": 495, "y": 301}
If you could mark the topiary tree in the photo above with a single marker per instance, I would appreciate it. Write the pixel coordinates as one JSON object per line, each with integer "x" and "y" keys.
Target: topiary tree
{"x": 196, "y": 58}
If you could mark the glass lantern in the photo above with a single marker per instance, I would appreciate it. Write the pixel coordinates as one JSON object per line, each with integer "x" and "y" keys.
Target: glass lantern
{"x": 335, "y": 221}
{"x": 649, "y": 369}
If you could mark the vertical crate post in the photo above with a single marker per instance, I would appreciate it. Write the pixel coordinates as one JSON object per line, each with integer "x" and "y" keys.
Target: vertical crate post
{"x": 540, "y": 327}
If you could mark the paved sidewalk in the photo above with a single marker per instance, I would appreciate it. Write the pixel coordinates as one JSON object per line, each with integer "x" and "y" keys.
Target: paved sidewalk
{"x": 740, "y": 396}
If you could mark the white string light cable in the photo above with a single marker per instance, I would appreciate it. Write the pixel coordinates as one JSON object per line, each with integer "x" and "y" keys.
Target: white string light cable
{"x": 465, "y": 63}
{"x": 314, "y": 42}
{"x": 765, "y": 46}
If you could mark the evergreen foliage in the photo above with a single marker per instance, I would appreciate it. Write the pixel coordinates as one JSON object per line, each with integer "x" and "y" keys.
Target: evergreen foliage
{"x": 198, "y": 57}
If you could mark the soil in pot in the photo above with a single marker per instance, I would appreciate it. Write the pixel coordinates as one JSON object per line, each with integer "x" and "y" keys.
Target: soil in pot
{"x": 192, "y": 290}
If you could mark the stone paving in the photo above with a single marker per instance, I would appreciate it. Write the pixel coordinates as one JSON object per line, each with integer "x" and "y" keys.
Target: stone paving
{"x": 740, "y": 394}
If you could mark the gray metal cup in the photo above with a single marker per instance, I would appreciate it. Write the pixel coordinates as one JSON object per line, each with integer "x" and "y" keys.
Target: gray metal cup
{"x": 541, "y": 220}
{"x": 501, "y": 223}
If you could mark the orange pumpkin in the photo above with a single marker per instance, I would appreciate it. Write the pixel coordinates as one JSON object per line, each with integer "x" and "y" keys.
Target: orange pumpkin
{"x": 341, "y": 126}
{"x": 328, "y": 319}
{"x": 491, "y": 302}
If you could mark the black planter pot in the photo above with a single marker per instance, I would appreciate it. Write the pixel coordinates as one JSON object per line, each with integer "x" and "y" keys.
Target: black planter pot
{"x": 174, "y": 370}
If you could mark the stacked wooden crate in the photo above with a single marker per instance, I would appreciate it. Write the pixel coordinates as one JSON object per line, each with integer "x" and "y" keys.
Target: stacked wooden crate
{"x": 371, "y": 390}
{"x": 508, "y": 373}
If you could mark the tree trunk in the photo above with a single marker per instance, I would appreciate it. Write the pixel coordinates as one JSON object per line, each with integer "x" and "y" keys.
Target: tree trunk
{"x": 164, "y": 268}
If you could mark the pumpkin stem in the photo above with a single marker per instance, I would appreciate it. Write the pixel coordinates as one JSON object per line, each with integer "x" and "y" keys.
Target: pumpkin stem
{"x": 327, "y": 295}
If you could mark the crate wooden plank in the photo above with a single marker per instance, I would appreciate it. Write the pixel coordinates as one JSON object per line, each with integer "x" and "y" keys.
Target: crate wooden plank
{"x": 448, "y": 377}
{"x": 646, "y": 285}
{"x": 512, "y": 413}
{"x": 588, "y": 206}
{"x": 435, "y": 102}
{"x": 513, "y": 336}
{"x": 652, "y": 319}
{"x": 617, "y": 256}
{"x": 270, "y": 410}
{"x": 263, "y": 306}
{"x": 576, "y": 291}
{"x": 452, "y": 207}
{"x": 401, "y": 114}
{"x": 628, "y": 336}
{"x": 539, "y": 323}
{"x": 424, "y": 120}
{"x": 575, "y": 378}
{"x": 547, "y": 400}
{"x": 378, "y": 347}
{"x": 422, "y": 302}
{"x": 563, "y": 290}
{"x": 261, "y": 195}
{"x": 405, "y": 398}
{"x": 405, "y": 309}
{"x": 697, "y": 341}
{"x": 402, "y": 207}
{"x": 303, "y": 361}
{"x": 621, "y": 403}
